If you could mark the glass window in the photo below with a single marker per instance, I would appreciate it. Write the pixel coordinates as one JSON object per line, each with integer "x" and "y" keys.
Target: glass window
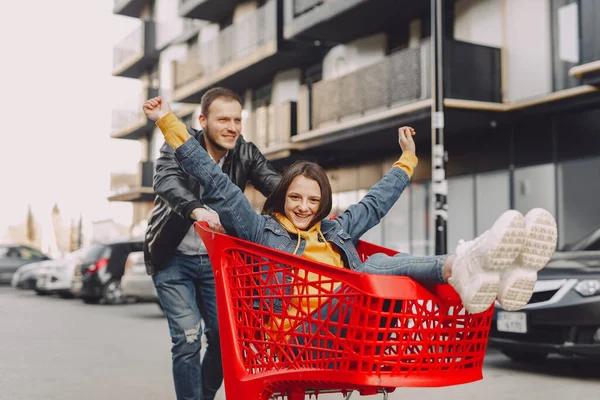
{"x": 579, "y": 191}
{"x": 421, "y": 244}
{"x": 375, "y": 234}
{"x": 396, "y": 224}
{"x": 94, "y": 253}
{"x": 461, "y": 210}
{"x": 534, "y": 187}
{"x": 26, "y": 253}
{"x": 493, "y": 198}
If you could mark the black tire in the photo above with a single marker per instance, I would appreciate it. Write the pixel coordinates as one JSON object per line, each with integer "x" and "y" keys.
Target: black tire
{"x": 90, "y": 300}
{"x": 112, "y": 292}
{"x": 41, "y": 292}
{"x": 65, "y": 295}
{"x": 525, "y": 356}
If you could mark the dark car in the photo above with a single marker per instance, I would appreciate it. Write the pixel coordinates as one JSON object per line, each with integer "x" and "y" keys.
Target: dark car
{"x": 563, "y": 315}
{"x": 14, "y": 256}
{"x": 98, "y": 273}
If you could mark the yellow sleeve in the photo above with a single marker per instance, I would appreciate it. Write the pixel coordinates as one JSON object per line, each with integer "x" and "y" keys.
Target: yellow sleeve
{"x": 407, "y": 162}
{"x": 174, "y": 130}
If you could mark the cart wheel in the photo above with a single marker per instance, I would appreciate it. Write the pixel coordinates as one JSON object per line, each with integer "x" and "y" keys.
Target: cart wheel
{"x": 525, "y": 356}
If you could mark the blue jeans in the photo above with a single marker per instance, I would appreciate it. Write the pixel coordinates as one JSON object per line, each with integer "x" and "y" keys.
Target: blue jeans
{"x": 186, "y": 291}
{"x": 426, "y": 269}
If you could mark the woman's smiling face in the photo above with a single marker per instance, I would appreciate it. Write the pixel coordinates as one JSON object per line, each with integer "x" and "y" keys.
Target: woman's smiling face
{"x": 302, "y": 201}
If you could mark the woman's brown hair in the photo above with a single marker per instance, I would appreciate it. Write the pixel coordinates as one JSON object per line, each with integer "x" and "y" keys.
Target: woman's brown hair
{"x": 275, "y": 203}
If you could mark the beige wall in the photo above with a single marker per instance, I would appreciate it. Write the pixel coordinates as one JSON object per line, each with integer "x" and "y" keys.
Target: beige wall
{"x": 522, "y": 29}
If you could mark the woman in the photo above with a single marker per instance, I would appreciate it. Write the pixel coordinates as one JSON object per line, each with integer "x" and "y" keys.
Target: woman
{"x": 502, "y": 262}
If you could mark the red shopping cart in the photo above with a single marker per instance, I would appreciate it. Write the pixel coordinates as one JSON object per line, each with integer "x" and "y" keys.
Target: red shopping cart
{"x": 291, "y": 327}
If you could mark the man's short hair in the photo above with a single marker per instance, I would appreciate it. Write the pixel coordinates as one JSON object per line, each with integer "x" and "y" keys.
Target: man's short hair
{"x": 215, "y": 93}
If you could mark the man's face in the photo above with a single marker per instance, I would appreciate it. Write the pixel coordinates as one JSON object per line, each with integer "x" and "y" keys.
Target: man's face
{"x": 223, "y": 124}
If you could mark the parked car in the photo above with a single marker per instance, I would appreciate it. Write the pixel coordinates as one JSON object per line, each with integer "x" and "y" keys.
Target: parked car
{"x": 55, "y": 277}
{"x": 14, "y": 256}
{"x": 563, "y": 315}
{"x": 136, "y": 283}
{"x": 25, "y": 277}
{"x": 98, "y": 272}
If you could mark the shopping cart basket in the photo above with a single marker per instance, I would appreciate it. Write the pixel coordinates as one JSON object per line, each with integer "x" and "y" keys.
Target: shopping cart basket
{"x": 291, "y": 327}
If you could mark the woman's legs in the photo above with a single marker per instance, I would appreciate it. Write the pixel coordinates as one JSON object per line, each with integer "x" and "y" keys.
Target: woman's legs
{"x": 474, "y": 271}
{"x": 426, "y": 269}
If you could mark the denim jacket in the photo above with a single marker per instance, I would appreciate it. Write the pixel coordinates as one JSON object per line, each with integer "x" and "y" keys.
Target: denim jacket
{"x": 239, "y": 218}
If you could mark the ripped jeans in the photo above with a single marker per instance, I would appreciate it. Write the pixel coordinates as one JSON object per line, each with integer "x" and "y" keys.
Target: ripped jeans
{"x": 186, "y": 291}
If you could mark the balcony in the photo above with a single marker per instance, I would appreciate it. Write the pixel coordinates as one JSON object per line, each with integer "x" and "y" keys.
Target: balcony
{"x": 129, "y": 8}
{"x": 133, "y": 187}
{"x": 395, "y": 90}
{"x": 340, "y": 21}
{"x": 135, "y": 54}
{"x": 208, "y": 10}
{"x": 271, "y": 129}
{"x": 245, "y": 53}
{"x": 132, "y": 124}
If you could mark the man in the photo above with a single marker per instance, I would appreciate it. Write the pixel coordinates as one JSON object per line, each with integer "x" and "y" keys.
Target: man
{"x": 174, "y": 253}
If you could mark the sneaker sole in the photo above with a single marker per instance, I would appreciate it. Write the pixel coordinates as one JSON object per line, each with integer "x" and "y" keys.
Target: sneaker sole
{"x": 504, "y": 243}
{"x": 518, "y": 281}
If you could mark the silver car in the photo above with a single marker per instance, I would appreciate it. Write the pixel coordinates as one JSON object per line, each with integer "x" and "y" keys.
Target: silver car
{"x": 14, "y": 256}
{"x": 136, "y": 283}
{"x": 56, "y": 277}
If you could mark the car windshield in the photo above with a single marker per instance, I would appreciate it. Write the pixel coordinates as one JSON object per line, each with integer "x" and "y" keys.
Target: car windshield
{"x": 3, "y": 252}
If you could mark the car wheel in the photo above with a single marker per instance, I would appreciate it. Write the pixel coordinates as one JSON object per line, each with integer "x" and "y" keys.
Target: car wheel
{"x": 90, "y": 300}
{"x": 113, "y": 294}
{"x": 525, "y": 356}
{"x": 41, "y": 292}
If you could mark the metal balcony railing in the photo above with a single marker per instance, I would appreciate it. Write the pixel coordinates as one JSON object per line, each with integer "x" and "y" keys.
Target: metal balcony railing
{"x": 122, "y": 119}
{"x": 178, "y": 31}
{"x": 473, "y": 73}
{"x": 129, "y": 48}
{"x": 394, "y": 80}
{"x": 232, "y": 43}
{"x": 125, "y": 182}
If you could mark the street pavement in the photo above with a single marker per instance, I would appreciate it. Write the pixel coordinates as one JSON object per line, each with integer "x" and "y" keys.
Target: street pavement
{"x": 57, "y": 349}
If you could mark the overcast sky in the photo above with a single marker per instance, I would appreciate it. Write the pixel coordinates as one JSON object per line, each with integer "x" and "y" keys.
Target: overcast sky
{"x": 57, "y": 97}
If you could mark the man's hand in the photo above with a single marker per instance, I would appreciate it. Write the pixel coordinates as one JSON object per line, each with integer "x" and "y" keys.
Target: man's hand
{"x": 156, "y": 108}
{"x": 405, "y": 138}
{"x": 214, "y": 223}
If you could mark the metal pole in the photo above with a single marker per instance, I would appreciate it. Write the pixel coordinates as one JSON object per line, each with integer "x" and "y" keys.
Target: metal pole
{"x": 438, "y": 171}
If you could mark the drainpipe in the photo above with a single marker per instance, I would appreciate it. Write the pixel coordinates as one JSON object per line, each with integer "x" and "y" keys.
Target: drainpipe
{"x": 438, "y": 171}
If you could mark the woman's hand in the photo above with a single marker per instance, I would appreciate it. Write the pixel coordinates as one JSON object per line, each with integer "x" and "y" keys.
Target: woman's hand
{"x": 156, "y": 108}
{"x": 405, "y": 139}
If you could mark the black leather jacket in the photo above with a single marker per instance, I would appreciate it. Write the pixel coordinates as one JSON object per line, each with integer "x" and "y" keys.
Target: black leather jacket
{"x": 178, "y": 194}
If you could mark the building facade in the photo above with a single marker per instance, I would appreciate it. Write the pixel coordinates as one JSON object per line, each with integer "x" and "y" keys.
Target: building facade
{"x": 331, "y": 81}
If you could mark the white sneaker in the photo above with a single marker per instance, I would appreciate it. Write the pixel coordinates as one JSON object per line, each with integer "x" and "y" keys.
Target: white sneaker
{"x": 479, "y": 262}
{"x": 517, "y": 281}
